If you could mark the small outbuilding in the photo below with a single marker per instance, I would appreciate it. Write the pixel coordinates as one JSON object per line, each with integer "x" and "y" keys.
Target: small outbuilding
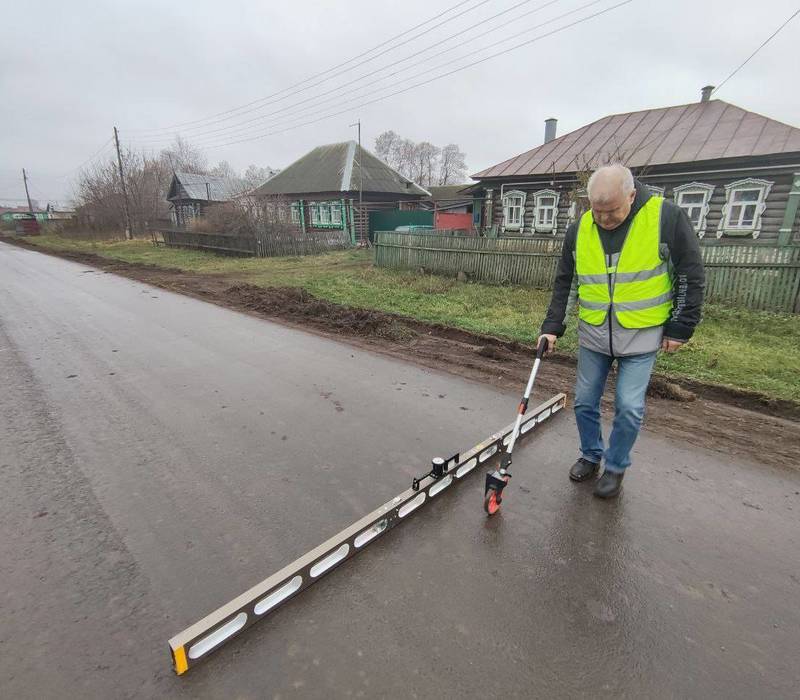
{"x": 190, "y": 194}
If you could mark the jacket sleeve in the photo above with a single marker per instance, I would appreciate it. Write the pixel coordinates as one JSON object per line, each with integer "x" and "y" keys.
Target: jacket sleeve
{"x": 555, "y": 321}
{"x": 687, "y": 264}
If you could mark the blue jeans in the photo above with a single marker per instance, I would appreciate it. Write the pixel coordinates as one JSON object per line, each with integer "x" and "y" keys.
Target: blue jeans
{"x": 633, "y": 376}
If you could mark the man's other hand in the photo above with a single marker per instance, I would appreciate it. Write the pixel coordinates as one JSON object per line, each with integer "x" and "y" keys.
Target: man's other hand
{"x": 669, "y": 345}
{"x": 551, "y": 342}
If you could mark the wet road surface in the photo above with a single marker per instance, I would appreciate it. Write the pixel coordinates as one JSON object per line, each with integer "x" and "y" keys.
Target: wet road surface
{"x": 160, "y": 455}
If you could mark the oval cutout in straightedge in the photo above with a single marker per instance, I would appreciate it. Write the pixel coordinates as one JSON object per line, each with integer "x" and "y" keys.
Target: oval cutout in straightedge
{"x": 488, "y": 452}
{"x": 278, "y": 595}
{"x": 440, "y": 485}
{"x": 467, "y": 467}
{"x": 370, "y": 533}
{"x": 218, "y": 636}
{"x": 412, "y": 505}
{"x": 330, "y": 561}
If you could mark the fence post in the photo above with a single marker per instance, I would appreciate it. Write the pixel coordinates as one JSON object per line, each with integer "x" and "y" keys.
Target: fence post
{"x": 785, "y": 231}
{"x": 352, "y": 224}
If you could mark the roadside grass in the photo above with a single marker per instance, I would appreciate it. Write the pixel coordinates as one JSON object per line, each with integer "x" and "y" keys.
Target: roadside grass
{"x": 745, "y": 349}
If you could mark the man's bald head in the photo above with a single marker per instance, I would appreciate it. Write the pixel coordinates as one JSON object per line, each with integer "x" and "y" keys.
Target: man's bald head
{"x": 611, "y": 193}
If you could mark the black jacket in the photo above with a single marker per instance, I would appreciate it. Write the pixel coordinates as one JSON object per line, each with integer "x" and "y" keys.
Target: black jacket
{"x": 682, "y": 248}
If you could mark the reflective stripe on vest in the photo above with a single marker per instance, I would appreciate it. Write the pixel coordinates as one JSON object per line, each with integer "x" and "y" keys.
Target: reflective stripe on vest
{"x": 638, "y": 287}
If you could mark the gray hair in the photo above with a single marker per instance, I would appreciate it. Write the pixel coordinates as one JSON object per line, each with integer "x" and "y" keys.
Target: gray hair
{"x": 606, "y": 182}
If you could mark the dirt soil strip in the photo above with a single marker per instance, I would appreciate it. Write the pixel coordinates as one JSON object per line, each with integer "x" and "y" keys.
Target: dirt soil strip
{"x": 718, "y": 418}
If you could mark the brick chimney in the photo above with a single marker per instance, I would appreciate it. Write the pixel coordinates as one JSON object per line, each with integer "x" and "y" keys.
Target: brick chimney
{"x": 550, "y": 129}
{"x": 705, "y": 93}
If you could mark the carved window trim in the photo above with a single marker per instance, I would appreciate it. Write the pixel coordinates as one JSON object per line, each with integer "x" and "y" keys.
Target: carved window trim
{"x": 726, "y": 227}
{"x": 695, "y": 188}
{"x": 507, "y": 197}
{"x": 540, "y": 226}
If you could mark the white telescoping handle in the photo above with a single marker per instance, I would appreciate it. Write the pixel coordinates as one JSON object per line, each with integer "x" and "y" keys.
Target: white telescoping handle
{"x": 540, "y": 351}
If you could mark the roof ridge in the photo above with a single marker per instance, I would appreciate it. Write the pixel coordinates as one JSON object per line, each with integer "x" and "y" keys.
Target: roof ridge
{"x": 669, "y": 130}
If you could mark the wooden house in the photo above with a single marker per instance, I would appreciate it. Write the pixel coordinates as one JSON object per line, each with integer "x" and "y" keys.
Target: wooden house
{"x": 323, "y": 188}
{"x": 735, "y": 172}
{"x": 190, "y": 194}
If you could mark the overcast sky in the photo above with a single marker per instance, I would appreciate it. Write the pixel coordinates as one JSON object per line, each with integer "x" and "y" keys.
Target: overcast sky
{"x": 70, "y": 71}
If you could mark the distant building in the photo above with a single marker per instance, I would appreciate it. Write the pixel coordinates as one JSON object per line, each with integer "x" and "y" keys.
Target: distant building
{"x": 451, "y": 205}
{"x": 321, "y": 189}
{"x": 190, "y": 194}
{"x": 9, "y": 214}
{"x": 735, "y": 173}
{"x": 54, "y": 214}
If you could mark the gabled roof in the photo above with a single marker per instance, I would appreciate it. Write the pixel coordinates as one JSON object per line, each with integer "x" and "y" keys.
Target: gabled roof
{"x": 335, "y": 168}
{"x": 193, "y": 186}
{"x": 448, "y": 196}
{"x": 684, "y": 134}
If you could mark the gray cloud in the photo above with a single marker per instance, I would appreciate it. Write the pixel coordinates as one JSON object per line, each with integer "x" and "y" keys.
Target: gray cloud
{"x": 80, "y": 68}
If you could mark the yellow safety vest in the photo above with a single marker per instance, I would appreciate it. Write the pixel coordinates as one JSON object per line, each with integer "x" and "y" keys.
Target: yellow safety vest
{"x": 639, "y": 287}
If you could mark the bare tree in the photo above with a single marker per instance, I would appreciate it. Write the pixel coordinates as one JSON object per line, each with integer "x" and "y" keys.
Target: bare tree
{"x": 181, "y": 155}
{"x": 255, "y": 176}
{"x": 386, "y": 146}
{"x": 452, "y": 165}
{"x": 422, "y": 162}
{"x": 426, "y": 161}
{"x": 224, "y": 169}
{"x": 99, "y": 198}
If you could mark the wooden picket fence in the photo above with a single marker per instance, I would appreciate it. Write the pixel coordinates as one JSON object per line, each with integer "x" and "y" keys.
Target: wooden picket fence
{"x": 263, "y": 246}
{"x": 755, "y": 276}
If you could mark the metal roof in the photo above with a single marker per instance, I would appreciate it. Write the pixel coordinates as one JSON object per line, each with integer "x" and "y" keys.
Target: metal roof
{"x": 335, "y": 168}
{"x": 448, "y": 196}
{"x": 193, "y": 186}
{"x": 699, "y": 131}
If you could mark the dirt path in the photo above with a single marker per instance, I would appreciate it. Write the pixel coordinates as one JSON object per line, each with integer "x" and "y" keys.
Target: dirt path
{"x": 729, "y": 421}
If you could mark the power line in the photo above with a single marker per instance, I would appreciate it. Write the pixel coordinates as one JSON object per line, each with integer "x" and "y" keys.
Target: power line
{"x": 243, "y": 108}
{"x": 430, "y": 80}
{"x": 92, "y": 157}
{"x": 651, "y": 141}
{"x": 235, "y": 129}
{"x": 763, "y": 44}
{"x": 215, "y": 141}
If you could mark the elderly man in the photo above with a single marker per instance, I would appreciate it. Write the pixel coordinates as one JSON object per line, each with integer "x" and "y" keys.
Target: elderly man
{"x": 635, "y": 260}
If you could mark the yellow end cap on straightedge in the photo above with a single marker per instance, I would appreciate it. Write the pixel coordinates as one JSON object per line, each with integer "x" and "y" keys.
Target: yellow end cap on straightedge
{"x": 181, "y": 665}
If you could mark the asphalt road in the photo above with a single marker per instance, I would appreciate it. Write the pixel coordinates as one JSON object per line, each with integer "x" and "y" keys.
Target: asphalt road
{"x": 160, "y": 455}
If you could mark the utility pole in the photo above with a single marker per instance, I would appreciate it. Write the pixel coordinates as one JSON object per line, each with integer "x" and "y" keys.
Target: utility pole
{"x": 124, "y": 190}
{"x": 27, "y": 194}
{"x": 360, "y": 181}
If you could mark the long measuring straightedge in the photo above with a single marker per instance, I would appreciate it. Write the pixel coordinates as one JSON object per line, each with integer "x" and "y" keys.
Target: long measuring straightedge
{"x": 198, "y": 641}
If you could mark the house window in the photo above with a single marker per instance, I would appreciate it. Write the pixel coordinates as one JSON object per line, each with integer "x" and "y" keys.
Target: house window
{"x": 336, "y": 214}
{"x": 324, "y": 213}
{"x": 655, "y": 190}
{"x": 745, "y": 201}
{"x": 295, "y": 212}
{"x": 315, "y": 218}
{"x": 545, "y": 211}
{"x": 513, "y": 210}
{"x": 693, "y": 199}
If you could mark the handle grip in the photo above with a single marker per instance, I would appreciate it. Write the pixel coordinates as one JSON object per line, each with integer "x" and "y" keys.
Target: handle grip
{"x": 541, "y": 349}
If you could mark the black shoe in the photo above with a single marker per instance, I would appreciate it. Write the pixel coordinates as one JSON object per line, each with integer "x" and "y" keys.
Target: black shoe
{"x": 583, "y": 469}
{"x": 610, "y": 485}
